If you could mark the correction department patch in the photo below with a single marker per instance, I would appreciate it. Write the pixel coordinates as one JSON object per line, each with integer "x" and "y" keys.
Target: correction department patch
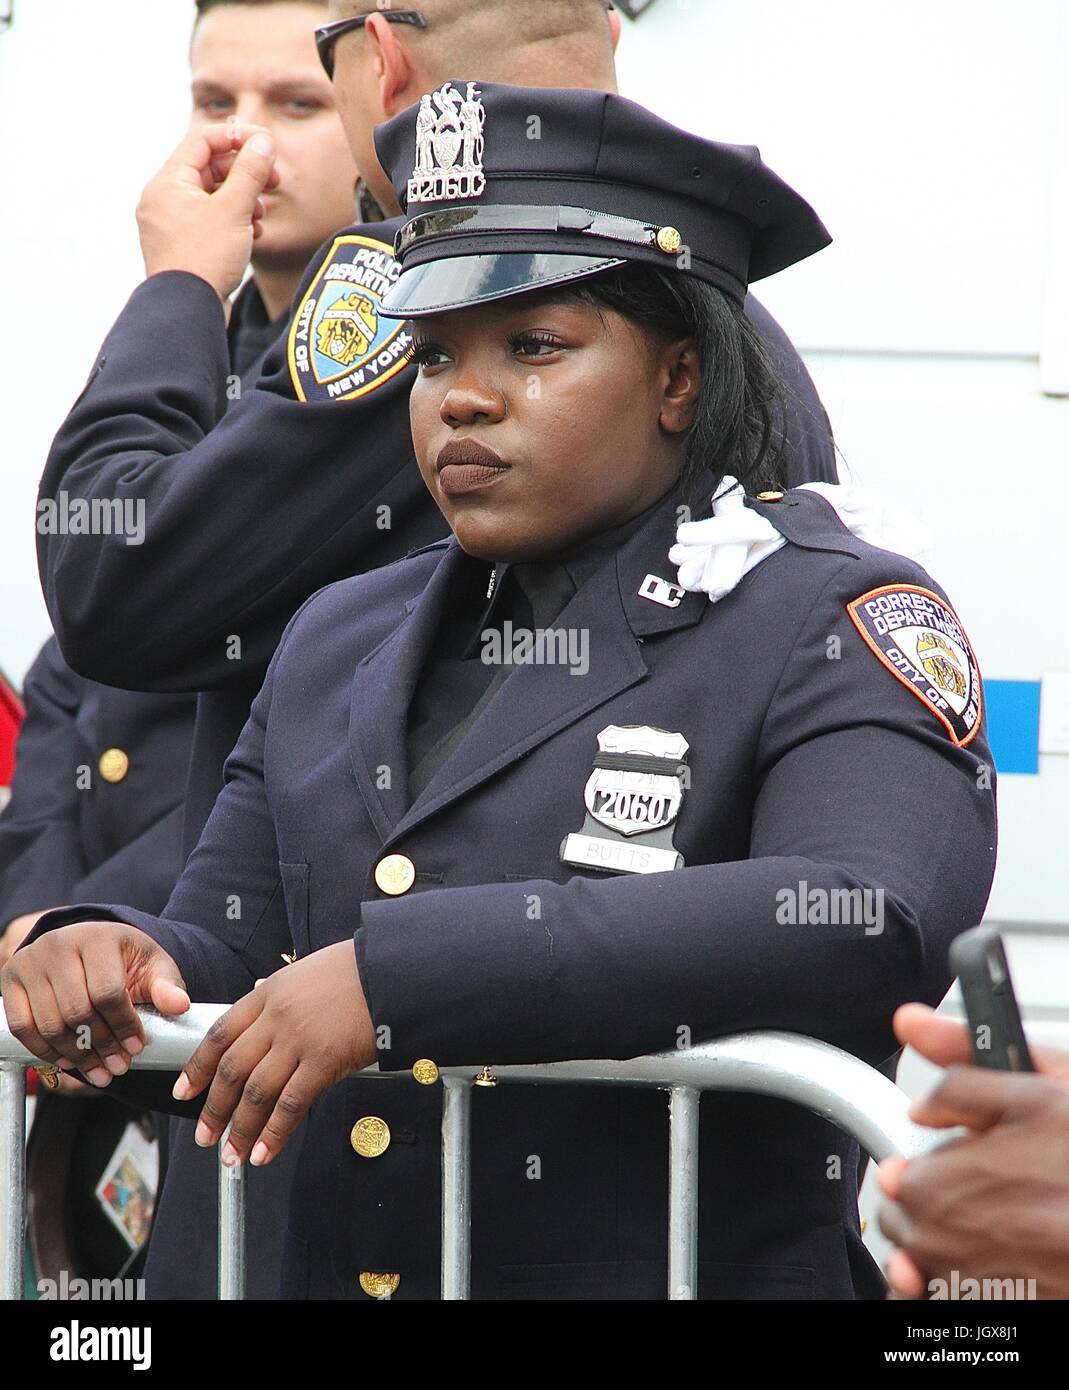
{"x": 919, "y": 639}
{"x": 339, "y": 347}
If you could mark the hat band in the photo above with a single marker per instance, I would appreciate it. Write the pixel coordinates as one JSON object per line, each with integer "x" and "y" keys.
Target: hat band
{"x": 523, "y": 218}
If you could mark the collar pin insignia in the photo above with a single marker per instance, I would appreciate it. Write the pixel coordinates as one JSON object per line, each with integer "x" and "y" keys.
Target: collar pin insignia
{"x": 659, "y": 590}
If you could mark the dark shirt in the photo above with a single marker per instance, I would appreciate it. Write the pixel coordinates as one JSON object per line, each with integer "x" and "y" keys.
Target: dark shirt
{"x": 460, "y": 679}
{"x": 250, "y": 332}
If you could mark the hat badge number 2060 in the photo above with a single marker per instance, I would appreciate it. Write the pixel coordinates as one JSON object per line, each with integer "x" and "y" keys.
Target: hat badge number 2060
{"x": 449, "y": 146}
{"x": 632, "y": 798}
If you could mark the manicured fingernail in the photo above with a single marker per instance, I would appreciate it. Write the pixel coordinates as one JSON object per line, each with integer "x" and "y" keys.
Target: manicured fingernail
{"x": 262, "y": 144}
{"x": 203, "y": 1135}
{"x": 118, "y": 1066}
{"x": 259, "y": 1154}
{"x": 134, "y": 1046}
{"x": 230, "y": 1155}
{"x": 182, "y": 1088}
{"x": 99, "y": 1076}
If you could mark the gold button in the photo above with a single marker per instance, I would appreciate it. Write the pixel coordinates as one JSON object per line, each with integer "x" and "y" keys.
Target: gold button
{"x": 669, "y": 240}
{"x": 770, "y": 497}
{"x": 379, "y": 1285}
{"x": 485, "y": 1078}
{"x": 395, "y": 874}
{"x": 425, "y": 1072}
{"x": 370, "y": 1136}
{"x": 113, "y": 765}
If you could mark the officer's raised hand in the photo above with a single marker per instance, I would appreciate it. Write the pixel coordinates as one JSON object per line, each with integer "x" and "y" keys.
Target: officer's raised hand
{"x": 71, "y": 996}
{"x": 270, "y": 1056}
{"x": 203, "y": 210}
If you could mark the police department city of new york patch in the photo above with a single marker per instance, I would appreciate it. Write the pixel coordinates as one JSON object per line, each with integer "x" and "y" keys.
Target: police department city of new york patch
{"x": 919, "y": 639}
{"x": 632, "y": 798}
{"x": 339, "y": 347}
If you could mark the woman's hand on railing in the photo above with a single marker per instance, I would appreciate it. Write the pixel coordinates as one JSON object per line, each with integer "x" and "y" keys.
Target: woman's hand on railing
{"x": 71, "y": 996}
{"x": 270, "y": 1056}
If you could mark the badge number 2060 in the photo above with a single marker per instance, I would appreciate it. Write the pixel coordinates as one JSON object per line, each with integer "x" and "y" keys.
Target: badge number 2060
{"x": 648, "y": 808}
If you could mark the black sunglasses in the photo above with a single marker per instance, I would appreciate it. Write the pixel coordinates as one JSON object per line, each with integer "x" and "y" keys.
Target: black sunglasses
{"x": 327, "y": 35}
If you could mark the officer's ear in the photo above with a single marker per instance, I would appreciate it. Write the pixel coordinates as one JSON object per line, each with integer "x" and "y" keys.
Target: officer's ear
{"x": 391, "y": 65}
{"x": 681, "y": 367}
{"x": 614, "y": 27}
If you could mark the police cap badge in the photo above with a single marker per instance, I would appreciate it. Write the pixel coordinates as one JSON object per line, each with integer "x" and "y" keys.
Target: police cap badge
{"x": 510, "y": 189}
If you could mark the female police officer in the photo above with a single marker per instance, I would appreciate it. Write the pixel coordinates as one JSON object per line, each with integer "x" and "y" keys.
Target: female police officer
{"x": 676, "y": 819}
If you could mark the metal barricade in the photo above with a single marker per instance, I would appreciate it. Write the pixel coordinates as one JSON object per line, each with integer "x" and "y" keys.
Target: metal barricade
{"x": 823, "y": 1079}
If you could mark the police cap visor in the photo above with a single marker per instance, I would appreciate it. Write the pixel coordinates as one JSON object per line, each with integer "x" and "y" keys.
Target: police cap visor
{"x": 459, "y": 282}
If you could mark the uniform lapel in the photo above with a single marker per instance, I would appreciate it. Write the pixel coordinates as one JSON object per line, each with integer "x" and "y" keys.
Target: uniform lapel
{"x": 382, "y": 689}
{"x": 538, "y": 701}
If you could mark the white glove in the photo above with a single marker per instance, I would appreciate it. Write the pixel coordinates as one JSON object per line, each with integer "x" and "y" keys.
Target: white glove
{"x": 713, "y": 555}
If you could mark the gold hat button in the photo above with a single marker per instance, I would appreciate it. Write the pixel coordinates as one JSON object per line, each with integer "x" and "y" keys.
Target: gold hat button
{"x": 379, "y": 1285}
{"x": 669, "y": 240}
{"x": 425, "y": 1072}
{"x": 113, "y": 765}
{"x": 370, "y": 1136}
{"x": 770, "y": 497}
{"x": 395, "y": 874}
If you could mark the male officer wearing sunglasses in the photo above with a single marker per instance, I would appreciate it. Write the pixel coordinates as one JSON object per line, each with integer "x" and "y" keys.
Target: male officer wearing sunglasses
{"x": 310, "y": 477}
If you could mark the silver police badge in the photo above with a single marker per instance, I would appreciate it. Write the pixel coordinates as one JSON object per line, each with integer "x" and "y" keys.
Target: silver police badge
{"x": 449, "y": 146}
{"x": 633, "y": 798}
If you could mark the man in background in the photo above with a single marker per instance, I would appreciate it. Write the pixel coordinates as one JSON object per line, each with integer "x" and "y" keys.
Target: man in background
{"x": 97, "y": 800}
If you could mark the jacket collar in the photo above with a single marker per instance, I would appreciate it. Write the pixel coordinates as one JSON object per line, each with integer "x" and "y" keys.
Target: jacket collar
{"x": 536, "y": 702}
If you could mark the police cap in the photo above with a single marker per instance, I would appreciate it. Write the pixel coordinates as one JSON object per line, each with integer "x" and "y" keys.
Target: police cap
{"x": 510, "y": 189}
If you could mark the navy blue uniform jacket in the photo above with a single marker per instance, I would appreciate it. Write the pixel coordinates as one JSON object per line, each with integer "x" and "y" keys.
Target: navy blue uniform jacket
{"x": 66, "y": 835}
{"x": 249, "y": 514}
{"x": 812, "y": 767}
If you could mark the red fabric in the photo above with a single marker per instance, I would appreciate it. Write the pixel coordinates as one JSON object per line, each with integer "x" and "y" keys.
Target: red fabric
{"x": 12, "y": 711}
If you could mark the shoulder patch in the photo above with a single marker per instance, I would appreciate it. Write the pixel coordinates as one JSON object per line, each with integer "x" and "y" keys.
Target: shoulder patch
{"x": 339, "y": 347}
{"x": 919, "y": 639}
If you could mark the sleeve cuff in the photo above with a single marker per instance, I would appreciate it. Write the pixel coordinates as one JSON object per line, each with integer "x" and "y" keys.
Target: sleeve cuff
{"x": 472, "y": 993}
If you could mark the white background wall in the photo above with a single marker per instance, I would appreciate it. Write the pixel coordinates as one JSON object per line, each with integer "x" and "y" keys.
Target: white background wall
{"x": 934, "y": 141}
{"x": 932, "y": 137}
{"x": 93, "y": 97}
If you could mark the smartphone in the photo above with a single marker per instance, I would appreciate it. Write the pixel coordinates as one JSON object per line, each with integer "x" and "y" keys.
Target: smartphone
{"x": 978, "y": 959}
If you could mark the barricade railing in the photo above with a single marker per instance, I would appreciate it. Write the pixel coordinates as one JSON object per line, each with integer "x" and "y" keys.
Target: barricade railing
{"x": 821, "y": 1078}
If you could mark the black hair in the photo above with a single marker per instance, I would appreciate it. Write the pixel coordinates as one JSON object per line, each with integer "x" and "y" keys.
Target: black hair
{"x": 739, "y": 423}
